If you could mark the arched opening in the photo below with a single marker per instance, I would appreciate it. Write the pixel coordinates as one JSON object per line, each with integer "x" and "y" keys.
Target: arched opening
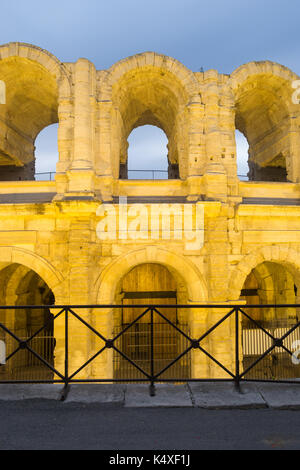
{"x": 148, "y": 154}
{"x": 263, "y": 117}
{"x": 151, "y": 284}
{"x": 46, "y": 153}
{"x": 155, "y": 97}
{"x": 21, "y": 286}
{"x": 31, "y": 105}
{"x": 269, "y": 283}
{"x": 242, "y": 149}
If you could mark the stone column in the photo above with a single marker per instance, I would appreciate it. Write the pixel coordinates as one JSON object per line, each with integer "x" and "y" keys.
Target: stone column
{"x": 105, "y": 158}
{"x": 196, "y": 151}
{"x": 215, "y": 179}
{"x": 65, "y": 138}
{"x": 81, "y": 174}
{"x": 198, "y": 326}
{"x": 81, "y": 245}
{"x": 221, "y": 342}
{"x": 103, "y": 322}
{"x": 228, "y": 144}
{"x": 293, "y": 156}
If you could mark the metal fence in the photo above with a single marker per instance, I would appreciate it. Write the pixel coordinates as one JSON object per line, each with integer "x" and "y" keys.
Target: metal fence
{"x": 136, "y": 344}
{"x": 24, "y": 365}
{"x": 151, "y": 348}
{"x": 45, "y": 176}
{"x": 148, "y": 174}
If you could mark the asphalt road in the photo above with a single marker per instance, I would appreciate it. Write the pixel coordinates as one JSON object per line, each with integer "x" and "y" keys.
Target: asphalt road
{"x": 38, "y": 424}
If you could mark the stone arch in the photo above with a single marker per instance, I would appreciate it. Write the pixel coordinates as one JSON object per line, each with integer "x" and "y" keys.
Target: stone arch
{"x": 265, "y": 114}
{"x": 50, "y": 275}
{"x": 152, "y": 89}
{"x": 282, "y": 255}
{"x": 154, "y": 60}
{"x": 39, "y": 55}
{"x": 37, "y": 85}
{"x": 21, "y": 287}
{"x": 180, "y": 267}
{"x": 243, "y": 72}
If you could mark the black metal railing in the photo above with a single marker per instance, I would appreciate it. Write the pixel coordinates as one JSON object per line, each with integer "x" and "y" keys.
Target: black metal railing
{"x": 45, "y": 176}
{"x": 148, "y": 174}
{"x": 151, "y": 348}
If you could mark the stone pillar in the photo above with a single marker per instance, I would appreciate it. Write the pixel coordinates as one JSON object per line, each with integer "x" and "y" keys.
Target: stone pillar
{"x": 106, "y": 155}
{"x": 215, "y": 179}
{"x": 103, "y": 321}
{"x": 221, "y": 342}
{"x": 80, "y": 255}
{"x": 217, "y": 246}
{"x": 81, "y": 174}
{"x": 198, "y": 326}
{"x": 228, "y": 144}
{"x": 62, "y": 297}
{"x": 65, "y": 138}
{"x": 196, "y": 151}
{"x": 293, "y": 157}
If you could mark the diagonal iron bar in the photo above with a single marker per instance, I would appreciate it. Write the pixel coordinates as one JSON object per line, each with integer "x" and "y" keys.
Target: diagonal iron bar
{"x": 87, "y": 362}
{"x": 90, "y": 327}
{"x": 258, "y": 360}
{"x": 216, "y": 325}
{"x": 44, "y": 361}
{"x": 131, "y": 362}
{"x": 276, "y": 341}
{"x": 217, "y": 362}
{"x": 186, "y": 351}
{"x": 257, "y": 324}
{"x": 172, "y": 324}
{"x": 110, "y": 342}
{"x": 131, "y": 324}
{"x": 45, "y": 326}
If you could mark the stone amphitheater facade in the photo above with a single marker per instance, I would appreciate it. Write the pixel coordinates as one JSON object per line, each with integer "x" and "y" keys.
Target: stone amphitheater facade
{"x": 49, "y": 241}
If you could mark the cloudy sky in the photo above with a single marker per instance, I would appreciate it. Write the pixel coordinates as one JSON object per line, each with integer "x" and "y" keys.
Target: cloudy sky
{"x": 218, "y": 34}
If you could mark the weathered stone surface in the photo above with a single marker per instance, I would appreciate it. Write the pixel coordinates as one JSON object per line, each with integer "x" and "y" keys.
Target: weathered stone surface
{"x": 57, "y": 242}
{"x": 165, "y": 395}
{"x": 225, "y": 395}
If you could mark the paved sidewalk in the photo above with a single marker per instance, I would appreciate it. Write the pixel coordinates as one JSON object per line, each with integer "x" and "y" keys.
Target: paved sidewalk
{"x": 212, "y": 395}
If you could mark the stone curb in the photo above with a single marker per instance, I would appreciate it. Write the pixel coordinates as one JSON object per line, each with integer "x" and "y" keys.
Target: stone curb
{"x": 206, "y": 395}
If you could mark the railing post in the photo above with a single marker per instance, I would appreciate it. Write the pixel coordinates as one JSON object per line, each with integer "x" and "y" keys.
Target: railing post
{"x": 152, "y": 385}
{"x": 66, "y": 388}
{"x": 237, "y": 350}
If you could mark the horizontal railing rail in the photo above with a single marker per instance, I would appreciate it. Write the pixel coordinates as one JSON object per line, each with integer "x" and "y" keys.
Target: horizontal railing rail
{"x": 76, "y": 343}
{"x": 45, "y": 176}
{"x": 154, "y": 174}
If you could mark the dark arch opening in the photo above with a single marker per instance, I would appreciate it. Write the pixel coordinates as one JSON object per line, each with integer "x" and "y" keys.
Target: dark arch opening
{"x": 262, "y": 115}
{"x": 24, "y": 288}
{"x": 151, "y": 284}
{"x": 31, "y": 105}
{"x": 269, "y": 283}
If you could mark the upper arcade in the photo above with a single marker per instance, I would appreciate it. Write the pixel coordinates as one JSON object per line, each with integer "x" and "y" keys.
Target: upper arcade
{"x": 96, "y": 111}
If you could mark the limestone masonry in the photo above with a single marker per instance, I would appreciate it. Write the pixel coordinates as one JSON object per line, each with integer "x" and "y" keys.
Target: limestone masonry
{"x": 49, "y": 247}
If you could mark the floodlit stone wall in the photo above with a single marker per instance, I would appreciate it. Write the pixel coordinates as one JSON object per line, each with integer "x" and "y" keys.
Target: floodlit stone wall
{"x": 52, "y": 228}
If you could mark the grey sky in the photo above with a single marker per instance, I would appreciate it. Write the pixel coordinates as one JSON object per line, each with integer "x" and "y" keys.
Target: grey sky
{"x": 216, "y": 34}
